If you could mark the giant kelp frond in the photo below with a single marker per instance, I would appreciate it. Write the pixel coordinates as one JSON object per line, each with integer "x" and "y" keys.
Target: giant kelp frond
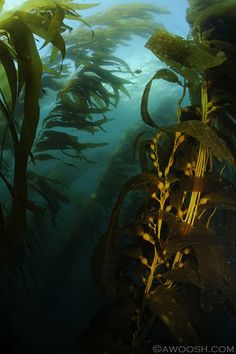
{"x": 186, "y": 57}
{"x": 21, "y": 73}
{"x": 92, "y": 90}
{"x": 162, "y": 255}
{"x": 113, "y": 29}
{"x": 51, "y": 190}
{"x": 68, "y": 145}
{"x": 47, "y": 5}
{"x": 119, "y": 14}
{"x": 95, "y": 87}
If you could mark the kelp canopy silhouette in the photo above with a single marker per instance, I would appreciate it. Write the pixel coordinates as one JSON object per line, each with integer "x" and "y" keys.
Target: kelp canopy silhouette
{"x": 95, "y": 87}
{"x": 93, "y": 90}
{"x": 21, "y": 72}
{"x": 168, "y": 264}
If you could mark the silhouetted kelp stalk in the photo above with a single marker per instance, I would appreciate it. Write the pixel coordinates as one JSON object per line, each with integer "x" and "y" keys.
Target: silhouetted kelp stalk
{"x": 22, "y": 72}
{"x": 169, "y": 260}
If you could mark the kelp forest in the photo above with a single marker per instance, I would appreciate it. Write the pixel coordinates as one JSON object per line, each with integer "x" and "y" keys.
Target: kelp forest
{"x": 117, "y": 241}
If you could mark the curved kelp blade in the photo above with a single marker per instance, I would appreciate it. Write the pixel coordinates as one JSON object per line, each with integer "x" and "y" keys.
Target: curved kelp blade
{"x": 7, "y": 60}
{"x": 143, "y": 182}
{"x": 34, "y": 5}
{"x": 187, "y": 274}
{"x": 164, "y": 74}
{"x": 183, "y": 235}
{"x": 206, "y": 136}
{"x": 166, "y": 303}
{"x": 50, "y": 190}
{"x": 55, "y": 140}
{"x": 54, "y": 27}
{"x": 46, "y": 157}
{"x": 34, "y": 21}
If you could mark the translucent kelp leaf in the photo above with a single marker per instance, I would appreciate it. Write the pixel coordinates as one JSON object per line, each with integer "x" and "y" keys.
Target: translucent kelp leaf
{"x": 2, "y": 2}
{"x": 206, "y": 136}
{"x": 165, "y": 303}
{"x": 184, "y": 56}
{"x": 42, "y": 26}
{"x": 167, "y": 75}
{"x": 54, "y": 27}
{"x": 164, "y": 74}
{"x": 30, "y": 72}
{"x": 7, "y": 60}
{"x": 31, "y": 5}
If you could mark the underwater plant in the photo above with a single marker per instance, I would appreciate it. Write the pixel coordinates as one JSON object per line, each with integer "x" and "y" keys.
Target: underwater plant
{"x": 166, "y": 268}
{"x": 95, "y": 86}
{"x": 21, "y": 73}
{"x": 85, "y": 95}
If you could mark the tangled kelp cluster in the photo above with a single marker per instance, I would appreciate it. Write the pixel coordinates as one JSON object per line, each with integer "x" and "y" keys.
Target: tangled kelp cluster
{"x": 167, "y": 267}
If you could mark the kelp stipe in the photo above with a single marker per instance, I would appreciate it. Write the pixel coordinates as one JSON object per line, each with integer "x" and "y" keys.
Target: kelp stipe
{"x": 22, "y": 73}
{"x": 168, "y": 264}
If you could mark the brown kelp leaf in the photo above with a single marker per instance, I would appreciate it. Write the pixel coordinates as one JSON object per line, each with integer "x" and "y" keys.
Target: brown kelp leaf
{"x": 208, "y": 185}
{"x": 50, "y": 190}
{"x": 55, "y": 140}
{"x": 31, "y": 69}
{"x": 186, "y": 274}
{"x": 34, "y": 5}
{"x": 186, "y": 57}
{"x": 182, "y": 235}
{"x": 7, "y": 60}
{"x": 40, "y": 26}
{"x": 46, "y": 157}
{"x": 54, "y": 25}
{"x": 221, "y": 200}
{"x": 206, "y": 136}
{"x": 142, "y": 151}
{"x": 221, "y": 9}
{"x": 216, "y": 274}
{"x": 168, "y": 75}
{"x": 143, "y": 182}
{"x": 164, "y": 74}
{"x": 2, "y": 2}
{"x": 165, "y": 303}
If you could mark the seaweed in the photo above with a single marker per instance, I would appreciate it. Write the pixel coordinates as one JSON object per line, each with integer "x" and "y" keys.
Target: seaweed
{"x": 159, "y": 258}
